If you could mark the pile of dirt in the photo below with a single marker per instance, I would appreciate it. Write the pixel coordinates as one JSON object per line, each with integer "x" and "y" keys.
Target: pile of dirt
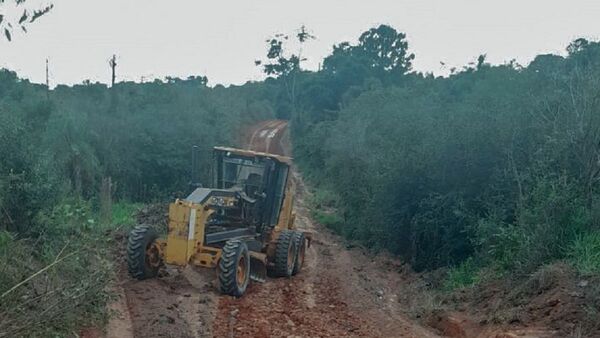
{"x": 553, "y": 302}
{"x": 155, "y": 215}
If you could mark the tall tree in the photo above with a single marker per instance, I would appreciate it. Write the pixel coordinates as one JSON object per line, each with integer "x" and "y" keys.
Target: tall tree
{"x": 385, "y": 49}
{"x": 285, "y": 64}
{"x": 379, "y": 50}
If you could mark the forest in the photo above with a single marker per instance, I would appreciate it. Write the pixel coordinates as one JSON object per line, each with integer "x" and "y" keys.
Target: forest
{"x": 494, "y": 167}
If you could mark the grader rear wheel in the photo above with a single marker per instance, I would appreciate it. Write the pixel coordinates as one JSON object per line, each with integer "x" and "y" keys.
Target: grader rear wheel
{"x": 300, "y": 242}
{"x": 234, "y": 268}
{"x": 285, "y": 254}
{"x": 143, "y": 253}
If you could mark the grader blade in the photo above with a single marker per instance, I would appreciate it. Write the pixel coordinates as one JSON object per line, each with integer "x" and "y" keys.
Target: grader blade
{"x": 258, "y": 268}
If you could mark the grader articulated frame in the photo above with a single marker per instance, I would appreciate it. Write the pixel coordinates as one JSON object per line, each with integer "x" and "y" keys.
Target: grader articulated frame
{"x": 243, "y": 227}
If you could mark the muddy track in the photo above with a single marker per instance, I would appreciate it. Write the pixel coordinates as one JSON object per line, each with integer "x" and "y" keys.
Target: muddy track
{"x": 340, "y": 292}
{"x": 331, "y": 296}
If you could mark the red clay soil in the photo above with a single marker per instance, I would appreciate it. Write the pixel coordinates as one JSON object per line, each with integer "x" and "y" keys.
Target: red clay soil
{"x": 267, "y": 137}
{"x": 339, "y": 293}
{"x": 553, "y": 302}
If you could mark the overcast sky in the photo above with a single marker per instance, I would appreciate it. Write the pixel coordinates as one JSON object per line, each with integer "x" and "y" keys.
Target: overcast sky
{"x": 221, "y": 39}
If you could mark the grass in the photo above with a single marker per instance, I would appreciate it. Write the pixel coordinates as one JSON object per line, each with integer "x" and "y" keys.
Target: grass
{"x": 324, "y": 198}
{"x": 323, "y": 204}
{"x": 464, "y": 275}
{"x": 584, "y": 253}
{"x": 123, "y": 213}
{"x": 329, "y": 219}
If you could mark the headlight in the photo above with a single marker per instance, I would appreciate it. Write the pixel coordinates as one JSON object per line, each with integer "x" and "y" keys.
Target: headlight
{"x": 218, "y": 201}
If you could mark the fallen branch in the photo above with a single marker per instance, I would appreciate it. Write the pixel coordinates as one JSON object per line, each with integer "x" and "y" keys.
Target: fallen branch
{"x": 56, "y": 261}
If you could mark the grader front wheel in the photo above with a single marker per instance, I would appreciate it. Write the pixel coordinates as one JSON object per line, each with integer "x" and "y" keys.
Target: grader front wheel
{"x": 143, "y": 253}
{"x": 234, "y": 268}
{"x": 285, "y": 254}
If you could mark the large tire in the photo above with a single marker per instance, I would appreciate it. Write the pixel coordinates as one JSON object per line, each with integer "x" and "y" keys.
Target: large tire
{"x": 234, "y": 268}
{"x": 300, "y": 242}
{"x": 285, "y": 254}
{"x": 143, "y": 257}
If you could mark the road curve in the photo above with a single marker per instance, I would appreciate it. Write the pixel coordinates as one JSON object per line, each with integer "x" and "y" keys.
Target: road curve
{"x": 267, "y": 137}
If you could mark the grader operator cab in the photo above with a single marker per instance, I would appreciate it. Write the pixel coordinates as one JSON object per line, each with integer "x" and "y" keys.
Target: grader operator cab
{"x": 243, "y": 227}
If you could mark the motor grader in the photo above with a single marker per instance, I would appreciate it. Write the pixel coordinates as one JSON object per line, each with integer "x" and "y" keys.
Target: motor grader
{"x": 243, "y": 227}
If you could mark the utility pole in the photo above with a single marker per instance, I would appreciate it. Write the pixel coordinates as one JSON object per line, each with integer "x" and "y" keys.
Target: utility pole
{"x": 47, "y": 81}
{"x": 113, "y": 65}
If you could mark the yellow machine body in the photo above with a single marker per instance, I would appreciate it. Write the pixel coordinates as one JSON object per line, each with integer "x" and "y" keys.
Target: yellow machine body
{"x": 243, "y": 226}
{"x": 187, "y": 224}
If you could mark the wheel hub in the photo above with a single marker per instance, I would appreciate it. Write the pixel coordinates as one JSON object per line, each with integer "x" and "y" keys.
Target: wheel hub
{"x": 241, "y": 271}
{"x": 153, "y": 255}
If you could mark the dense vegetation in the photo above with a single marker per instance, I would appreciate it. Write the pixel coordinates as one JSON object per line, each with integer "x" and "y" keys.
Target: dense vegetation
{"x": 497, "y": 163}
{"x": 57, "y": 147}
{"x": 493, "y": 166}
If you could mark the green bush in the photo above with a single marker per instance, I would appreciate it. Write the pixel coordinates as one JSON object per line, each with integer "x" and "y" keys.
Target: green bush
{"x": 329, "y": 219}
{"x": 584, "y": 253}
{"x": 324, "y": 198}
{"x": 123, "y": 214}
{"x": 464, "y": 275}
{"x": 552, "y": 215}
{"x": 499, "y": 244}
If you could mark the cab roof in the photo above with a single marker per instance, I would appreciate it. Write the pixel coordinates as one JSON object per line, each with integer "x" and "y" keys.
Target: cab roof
{"x": 250, "y": 153}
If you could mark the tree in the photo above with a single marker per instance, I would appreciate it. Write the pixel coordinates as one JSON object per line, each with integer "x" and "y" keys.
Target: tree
{"x": 385, "y": 49}
{"x": 379, "y": 51}
{"x": 23, "y": 17}
{"x": 283, "y": 64}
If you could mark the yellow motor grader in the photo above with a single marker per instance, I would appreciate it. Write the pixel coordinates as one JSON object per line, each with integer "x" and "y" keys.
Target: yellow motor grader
{"x": 243, "y": 227}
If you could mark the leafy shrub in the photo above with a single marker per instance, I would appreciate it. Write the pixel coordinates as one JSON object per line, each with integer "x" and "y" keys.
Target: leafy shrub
{"x": 440, "y": 230}
{"x": 499, "y": 243}
{"x": 329, "y": 219}
{"x": 584, "y": 253}
{"x": 463, "y": 275}
{"x": 324, "y": 198}
{"x": 123, "y": 213}
{"x": 552, "y": 215}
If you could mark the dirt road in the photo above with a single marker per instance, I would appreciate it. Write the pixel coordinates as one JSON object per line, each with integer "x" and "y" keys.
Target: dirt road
{"x": 268, "y": 136}
{"x": 340, "y": 293}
